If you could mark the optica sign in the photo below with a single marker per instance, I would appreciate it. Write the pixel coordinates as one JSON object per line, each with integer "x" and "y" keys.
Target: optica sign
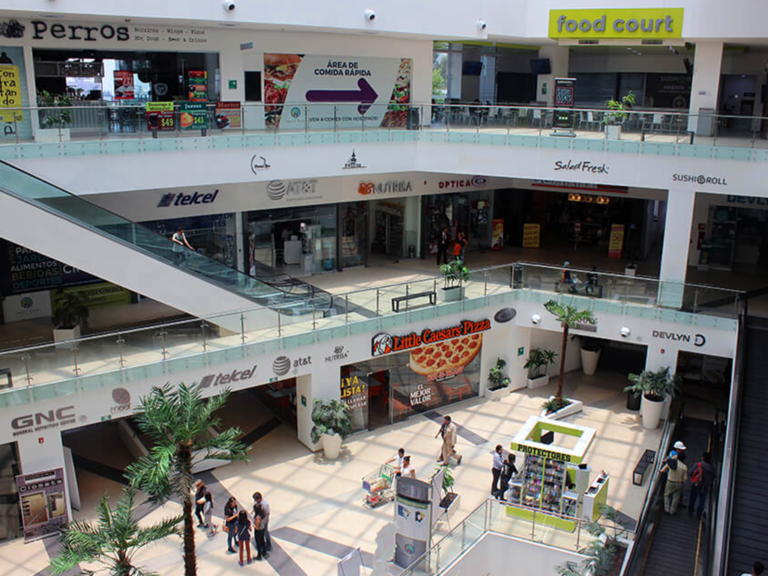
{"x": 657, "y": 23}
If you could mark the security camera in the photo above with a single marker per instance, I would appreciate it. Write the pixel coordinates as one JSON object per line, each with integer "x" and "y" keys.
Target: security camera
{"x": 482, "y": 24}
{"x": 229, "y": 5}
{"x": 535, "y": 318}
{"x": 370, "y": 15}
{"x": 625, "y": 332}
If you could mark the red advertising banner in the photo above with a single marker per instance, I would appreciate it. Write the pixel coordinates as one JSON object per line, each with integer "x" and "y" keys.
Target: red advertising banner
{"x": 497, "y": 242}
{"x": 160, "y": 116}
{"x": 43, "y": 503}
{"x": 228, "y": 115}
{"x": 124, "y": 88}
{"x": 616, "y": 242}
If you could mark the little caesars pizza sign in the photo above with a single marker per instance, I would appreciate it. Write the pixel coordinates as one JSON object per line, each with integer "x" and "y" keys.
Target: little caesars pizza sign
{"x": 386, "y": 343}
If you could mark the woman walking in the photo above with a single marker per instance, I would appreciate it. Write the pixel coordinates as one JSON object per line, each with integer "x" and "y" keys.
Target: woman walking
{"x": 244, "y": 535}
{"x": 208, "y": 514}
{"x": 230, "y": 521}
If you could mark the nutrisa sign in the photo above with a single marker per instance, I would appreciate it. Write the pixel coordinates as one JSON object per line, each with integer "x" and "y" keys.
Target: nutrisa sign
{"x": 335, "y": 91}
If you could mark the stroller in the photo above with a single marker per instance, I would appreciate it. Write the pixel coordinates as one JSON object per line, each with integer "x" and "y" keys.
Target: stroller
{"x": 379, "y": 486}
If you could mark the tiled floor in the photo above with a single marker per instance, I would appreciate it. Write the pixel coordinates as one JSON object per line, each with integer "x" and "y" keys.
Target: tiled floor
{"x": 311, "y": 495}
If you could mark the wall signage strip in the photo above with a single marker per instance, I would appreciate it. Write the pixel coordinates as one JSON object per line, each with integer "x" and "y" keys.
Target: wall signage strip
{"x": 386, "y": 343}
{"x": 657, "y": 23}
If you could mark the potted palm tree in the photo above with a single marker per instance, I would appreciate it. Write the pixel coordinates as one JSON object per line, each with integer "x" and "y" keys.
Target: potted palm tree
{"x": 70, "y": 313}
{"x": 655, "y": 387}
{"x": 569, "y": 317}
{"x": 538, "y": 362}
{"x": 617, "y": 115}
{"x": 497, "y": 382}
{"x": 331, "y": 425}
{"x": 454, "y": 274}
{"x": 112, "y": 541}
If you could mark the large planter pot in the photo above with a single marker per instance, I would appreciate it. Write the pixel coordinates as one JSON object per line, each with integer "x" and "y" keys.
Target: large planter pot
{"x": 651, "y": 411}
{"x": 453, "y": 294}
{"x": 633, "y": 402}
{"x": 62, "y": 337}
{"x": 613, "y": 132}
{"x": 589, "y": 360}
{"x": 496, "y": 395}
{"x": 331, "y": 446}
{"x": 538, "y": 381}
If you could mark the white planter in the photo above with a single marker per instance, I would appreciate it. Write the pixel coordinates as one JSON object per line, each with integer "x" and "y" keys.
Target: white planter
{"x": 453, "y": 294}
{"x": 62, "y": 337}
{"x": 651, "y": 411}
{"x": 572, "y": 408}
{"x": 613, "y": 131}
{"x": 52, "y": 135}
{"x": 496, "y": 395}
{"x": 331, "y": 446}
{"x": 630, "y": 270}
{"x": 589, "y": 360}
{"x": 538, "y": 382}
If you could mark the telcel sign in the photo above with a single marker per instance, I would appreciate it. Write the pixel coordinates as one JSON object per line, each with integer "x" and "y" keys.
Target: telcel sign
{"x": 622, "y": 23}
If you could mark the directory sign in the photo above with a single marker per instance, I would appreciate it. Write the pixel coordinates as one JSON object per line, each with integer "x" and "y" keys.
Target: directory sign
{"x": 43, "y": 503}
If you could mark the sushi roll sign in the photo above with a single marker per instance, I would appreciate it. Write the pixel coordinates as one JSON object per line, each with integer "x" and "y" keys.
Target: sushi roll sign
{"x": 386, "y": 343}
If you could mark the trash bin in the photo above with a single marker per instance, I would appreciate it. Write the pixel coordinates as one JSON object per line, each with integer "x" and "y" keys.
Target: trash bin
{"x": 706, "y": 122}
{"x": 412, "y": 120}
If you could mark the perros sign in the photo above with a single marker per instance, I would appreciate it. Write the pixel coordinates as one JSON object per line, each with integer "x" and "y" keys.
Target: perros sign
{"x": 657, "y": 23}
{"x": 386, "y": 343}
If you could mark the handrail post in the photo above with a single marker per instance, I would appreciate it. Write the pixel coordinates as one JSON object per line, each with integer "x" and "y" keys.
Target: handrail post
{"x": 314, "y": 319}
{"x": 75, "y": 349}
{"x": 242, "y": 328}
{"x": 163, "y": 334}
{"x": 346, "y": 308}
{"x": 378, "y": 295}
{"x": 533, "y": 527}
{"x": 120, "y": 343}
{"x": 406, "y": 297}
{"x": 26, "y": 358}
{"x": 203, "y": 327}
{"x": 279, "y": 324}
{"x": 485, "y": 283}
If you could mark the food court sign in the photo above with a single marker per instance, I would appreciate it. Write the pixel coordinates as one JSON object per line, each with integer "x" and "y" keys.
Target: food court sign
{"x": 658, "y": 23}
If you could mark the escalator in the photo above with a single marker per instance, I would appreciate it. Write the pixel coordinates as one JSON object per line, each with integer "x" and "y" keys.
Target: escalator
{"x": 748, "y": 538}
{"x": 68, "y": 228}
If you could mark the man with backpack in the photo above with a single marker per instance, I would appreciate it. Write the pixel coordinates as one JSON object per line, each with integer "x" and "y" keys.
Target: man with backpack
{"x": 702, "y": 475}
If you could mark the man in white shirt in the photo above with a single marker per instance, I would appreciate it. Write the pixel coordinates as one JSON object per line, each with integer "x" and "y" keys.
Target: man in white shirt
{"x": 179, "y": 240}
{"x": 397, "y": 461}
{"x": 498, "y": 464}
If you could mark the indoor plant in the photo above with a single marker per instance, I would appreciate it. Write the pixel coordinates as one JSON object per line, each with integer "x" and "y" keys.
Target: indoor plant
{"x": 331, "y": 425}
{"x": 655, "y": 387}
{"x": 450, "y": 499}
{"x": 54, "y": 122}
{"x": 455, "y": 274}
{"x": 497, "y": 382}
{"x": 70, "y": 312}
{"x": 537, "y": 364}
{"x": 590, "y": 354}
{"x": 618, "y": 113}
{"x": 604, "y": 555}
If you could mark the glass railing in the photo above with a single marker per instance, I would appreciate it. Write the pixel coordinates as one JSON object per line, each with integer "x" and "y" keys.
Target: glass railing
{"x": 493, "y": 517}
{"x": 33, "y": 190}
{"x": 170, "y": 347}
{"x": 631, "y": 131}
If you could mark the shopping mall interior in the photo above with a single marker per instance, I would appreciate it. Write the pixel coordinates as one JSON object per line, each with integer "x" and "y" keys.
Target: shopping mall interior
{"x": 463, "y": 233}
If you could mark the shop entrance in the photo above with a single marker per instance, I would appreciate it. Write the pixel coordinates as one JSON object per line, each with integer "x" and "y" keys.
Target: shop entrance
{"x": 706, "y": 383}
{"x": 466, "y": 213}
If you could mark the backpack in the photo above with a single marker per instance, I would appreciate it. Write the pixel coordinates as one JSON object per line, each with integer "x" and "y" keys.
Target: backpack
{"x": 697, "y": 476}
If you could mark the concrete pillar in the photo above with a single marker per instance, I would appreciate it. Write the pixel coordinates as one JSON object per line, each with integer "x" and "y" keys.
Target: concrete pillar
{"x": 706, "y": 79}
{"x": 558, "y": 58}
{"x": 674, "y": 253}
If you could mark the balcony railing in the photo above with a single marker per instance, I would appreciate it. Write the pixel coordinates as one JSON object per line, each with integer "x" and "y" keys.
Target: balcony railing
{"x": 649, "y": 131}
{"x": 157, "y": 351}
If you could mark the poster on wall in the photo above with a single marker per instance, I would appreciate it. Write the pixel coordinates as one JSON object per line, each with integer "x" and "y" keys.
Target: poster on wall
{"x": 124, "y": 88}
{"x": 497, "y": 239}
{"x": 335, "y": 91}
{"x": 197, "y": 84}
{"x": 10, "y": 94}
{"x": 531, "y": 235}
{"x": 27, "y": 306}
{"x": 160, "y": 116}
{"x": 228, "y": 115}
{"x": 43, "y": 503}
{"x": 616, "y": 241}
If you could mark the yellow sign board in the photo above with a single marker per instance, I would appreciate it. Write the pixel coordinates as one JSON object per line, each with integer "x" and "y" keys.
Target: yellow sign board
{"x": 531, "y": 235}
{"x": 621, "y": 23}
{"x": 10, "y": 94}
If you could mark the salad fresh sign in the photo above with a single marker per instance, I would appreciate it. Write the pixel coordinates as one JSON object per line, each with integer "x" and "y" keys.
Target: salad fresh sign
{"x": 335, "y": 91}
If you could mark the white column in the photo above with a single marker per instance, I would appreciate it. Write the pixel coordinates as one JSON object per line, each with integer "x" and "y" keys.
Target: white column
{"x": 706, "y": 79}
{"x": 677, "y": 239}
{"x": 558, "y": 58}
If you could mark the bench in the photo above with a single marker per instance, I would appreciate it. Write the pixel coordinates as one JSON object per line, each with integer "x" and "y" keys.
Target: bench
{"x": 396, "y": 301}
{"x": 646, "y": 461}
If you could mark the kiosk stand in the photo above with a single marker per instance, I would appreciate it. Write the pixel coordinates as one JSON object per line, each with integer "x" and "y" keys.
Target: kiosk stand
{"x": 554, "y": 478}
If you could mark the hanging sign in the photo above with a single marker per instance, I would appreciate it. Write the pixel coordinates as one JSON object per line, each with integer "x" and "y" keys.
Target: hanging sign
{"x": 228, "y": 115}
{"x": 193, "y": 115}
{"x": 197, "y": 83}
{"x": 160, "y": 116}
{"x": 124, "y": 88}
{"x": 497, "y": 242}
{"x": 43, "y": 503}
{"x": 616, "y": 242}
{"x": 10, "y": 94}
{"x": 531, "y": 235}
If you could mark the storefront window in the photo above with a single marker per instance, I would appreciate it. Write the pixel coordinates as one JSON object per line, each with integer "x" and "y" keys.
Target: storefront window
{"x": 213, "y": 235}
{"x": 353, "y": 234}
{"x": 468, "y": 213}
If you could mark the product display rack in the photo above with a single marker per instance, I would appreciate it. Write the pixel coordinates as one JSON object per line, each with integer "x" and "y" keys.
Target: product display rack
{"x": 543, "y": 483}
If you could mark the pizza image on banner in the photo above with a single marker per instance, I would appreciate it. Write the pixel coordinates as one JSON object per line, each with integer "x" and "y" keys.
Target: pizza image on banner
{"x": 319, "y": 91}
{"x": 449, "y": 357}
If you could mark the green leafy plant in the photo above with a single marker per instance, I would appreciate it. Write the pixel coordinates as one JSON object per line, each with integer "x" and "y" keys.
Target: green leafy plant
{"x": 618, "y": 109}
{"x": 330, "y": 417}
{"x": 496, "y": 376}
{"x": 177, "y": 420}
{"x": 50, "y": 117}
{"x": 71, "y": 309}
{"x": 538, "y": 360}
{"x": 569, "y": 317}
{"x": 112, "y": 541}
{"x": 554, "y": 404}
{"x": 602, "y": 552}
{"x": 654, "y": 385}
{"x": 454, "y": 273}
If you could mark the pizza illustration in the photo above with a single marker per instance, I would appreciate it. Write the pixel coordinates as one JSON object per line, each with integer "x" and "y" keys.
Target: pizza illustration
{"x": 445, "y": 355}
